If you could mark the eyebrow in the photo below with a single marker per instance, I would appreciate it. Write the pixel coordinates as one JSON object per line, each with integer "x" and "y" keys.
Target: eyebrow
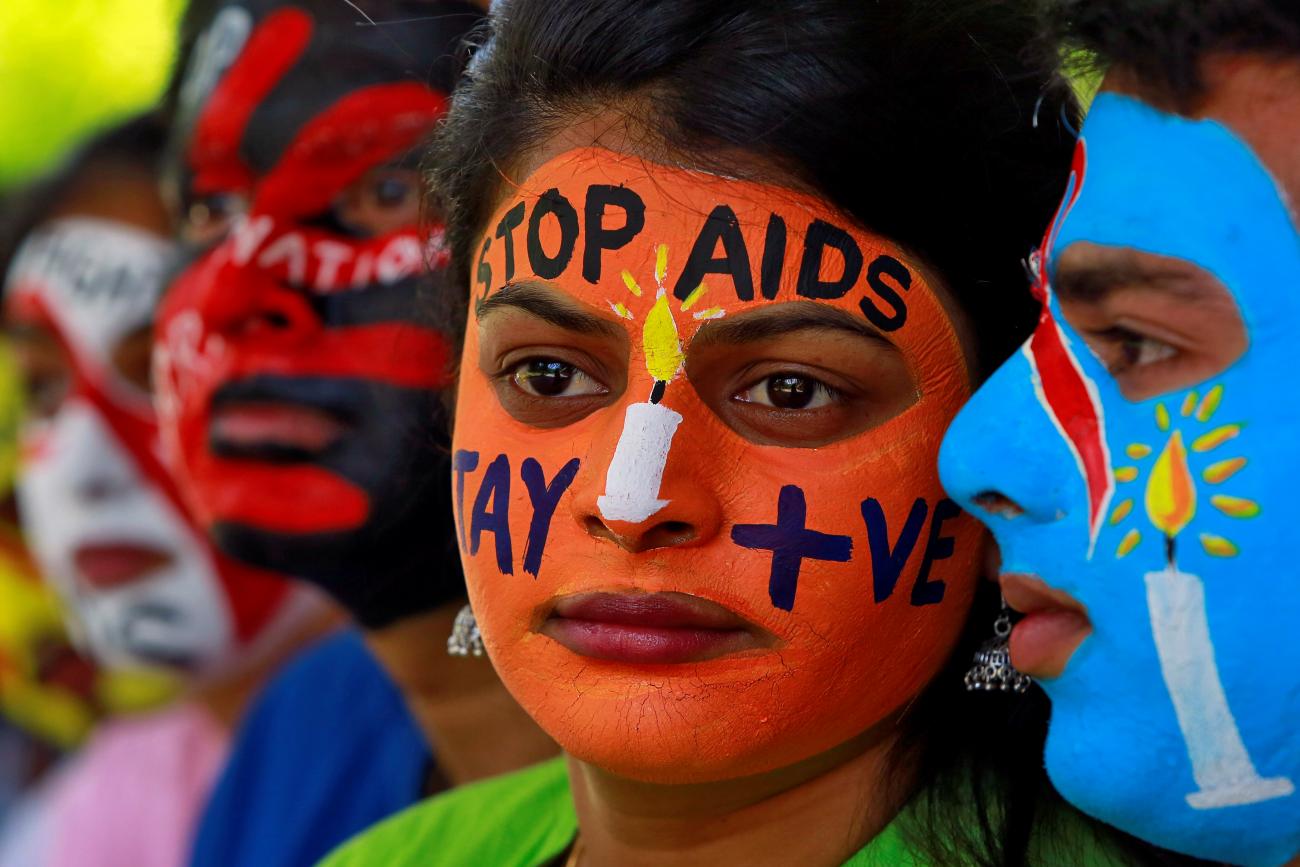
{"x": 1115, "y": 269}
{"x": 547, "y": 304}
{"x": 779, "y": 320}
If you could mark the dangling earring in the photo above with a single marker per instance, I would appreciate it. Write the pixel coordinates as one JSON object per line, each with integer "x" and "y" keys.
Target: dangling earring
{"x": 992, "y": 669}
{"x": 465, "y": 639}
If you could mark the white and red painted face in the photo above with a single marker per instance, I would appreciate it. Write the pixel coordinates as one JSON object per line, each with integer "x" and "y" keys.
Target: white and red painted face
{"x": 103, "y": 518}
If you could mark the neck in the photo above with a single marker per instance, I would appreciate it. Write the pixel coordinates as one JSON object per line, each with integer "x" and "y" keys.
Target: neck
{"x": 819, "y": 812}
{"x": 225, "y": 698}
{"x": 474, "y": 726}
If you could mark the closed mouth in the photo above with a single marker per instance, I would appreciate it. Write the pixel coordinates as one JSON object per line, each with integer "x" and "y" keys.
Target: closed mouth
{"x": 278, "y": 421}
{"x": 650, "y": 628}
{"x": 1053, "y": 626}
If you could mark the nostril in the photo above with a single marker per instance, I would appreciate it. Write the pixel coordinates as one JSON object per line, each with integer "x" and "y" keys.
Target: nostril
{"x": 997, "y": 504}
{"x": 676, "y": 532}
{"x": 276, "y": 320}
{"x": 596, "y": 528}
{"x": 97, "y": 490}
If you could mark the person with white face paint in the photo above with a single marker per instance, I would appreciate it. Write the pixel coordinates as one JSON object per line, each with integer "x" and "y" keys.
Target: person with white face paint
{"x": 144, "y": 589}
{"x": 106, "y": 523}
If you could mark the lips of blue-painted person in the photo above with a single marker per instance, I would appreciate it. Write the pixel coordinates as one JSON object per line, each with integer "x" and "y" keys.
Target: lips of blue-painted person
{"x": 1052, "y": 628}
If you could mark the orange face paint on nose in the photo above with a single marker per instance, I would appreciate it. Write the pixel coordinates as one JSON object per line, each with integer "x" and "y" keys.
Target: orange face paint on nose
{"x": 695, "y": 468}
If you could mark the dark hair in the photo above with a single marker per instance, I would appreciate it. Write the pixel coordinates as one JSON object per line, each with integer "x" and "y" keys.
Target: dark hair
{"x": 941, "y": 124}
{"x": 1164, "y": 41}
{"x": 916, "y": 117}
{"x": 136, "y": 143}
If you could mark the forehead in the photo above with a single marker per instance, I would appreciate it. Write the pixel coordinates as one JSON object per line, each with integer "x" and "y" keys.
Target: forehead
{"x": 1256, "y": 97}
{"x": 92, "y": 279}
{"x": 304, "y": 89}
{"x": 633, "y": 239}
{"x": 588, "y": 214}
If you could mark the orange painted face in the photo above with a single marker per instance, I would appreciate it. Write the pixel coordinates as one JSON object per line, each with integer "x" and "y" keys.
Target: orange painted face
{"x": 695, "y": 469}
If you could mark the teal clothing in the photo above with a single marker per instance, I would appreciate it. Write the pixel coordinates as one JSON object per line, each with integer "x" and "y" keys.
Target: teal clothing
{"x": 526, "y": 819}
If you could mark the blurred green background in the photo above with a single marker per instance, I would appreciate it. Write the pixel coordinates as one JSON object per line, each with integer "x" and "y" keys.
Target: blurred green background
{"x": 68, "y": 67}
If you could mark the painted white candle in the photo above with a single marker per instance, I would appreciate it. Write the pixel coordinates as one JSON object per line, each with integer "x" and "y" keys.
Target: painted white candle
{"x": 1224, "y": 772}
{"x": 637, "y": 470}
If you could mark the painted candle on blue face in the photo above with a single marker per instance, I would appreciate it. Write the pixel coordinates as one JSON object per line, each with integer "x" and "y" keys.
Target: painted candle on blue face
{"x": 1154, "y": 482}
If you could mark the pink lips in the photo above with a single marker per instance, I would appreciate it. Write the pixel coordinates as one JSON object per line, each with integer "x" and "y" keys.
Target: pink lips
{"x": 279, "y": 424}
{"x": 1054, "y": 626}
{"x": 648, "y": 628}
{"x": 106, "y": 567}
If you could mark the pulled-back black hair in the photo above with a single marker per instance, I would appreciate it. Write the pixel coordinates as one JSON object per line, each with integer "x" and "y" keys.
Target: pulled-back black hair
{"x": 1164, "y": 41}
{"x": 941, "y": 124}
{"x": 916, "y": 117}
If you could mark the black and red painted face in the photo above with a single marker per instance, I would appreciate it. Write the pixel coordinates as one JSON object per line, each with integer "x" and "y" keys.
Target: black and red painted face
{"x": 298, "y": 375}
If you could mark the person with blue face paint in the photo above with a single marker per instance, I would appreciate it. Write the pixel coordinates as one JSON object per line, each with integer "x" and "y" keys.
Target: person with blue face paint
{"x": 1142, "y": 497}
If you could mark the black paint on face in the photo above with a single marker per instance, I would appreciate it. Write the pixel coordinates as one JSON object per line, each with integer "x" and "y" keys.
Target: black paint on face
{"x": 403, "y": 559}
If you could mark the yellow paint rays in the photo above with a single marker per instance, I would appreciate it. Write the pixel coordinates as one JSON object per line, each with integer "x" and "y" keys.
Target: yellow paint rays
{"x": 1171, "y": 495}
{"x": 1217, "y": 474}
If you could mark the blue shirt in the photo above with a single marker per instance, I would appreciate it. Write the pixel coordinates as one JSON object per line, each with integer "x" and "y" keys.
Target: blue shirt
{"x": 327, "y": 750}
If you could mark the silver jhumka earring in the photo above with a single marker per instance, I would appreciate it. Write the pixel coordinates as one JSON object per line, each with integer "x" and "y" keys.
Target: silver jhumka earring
{"x": 992, "y": 670}
{"x": 465, "y": 639}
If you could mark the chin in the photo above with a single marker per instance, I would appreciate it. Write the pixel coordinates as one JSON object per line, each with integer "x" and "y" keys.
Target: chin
{"x": 725, "y": 719}
{"x": 1131, "y": 770}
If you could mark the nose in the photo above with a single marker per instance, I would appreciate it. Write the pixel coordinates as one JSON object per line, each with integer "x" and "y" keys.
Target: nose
{"x": 102, "y": 488}
{"x": 683, "y": 511}
{"x": 244, "y": 301}
{"x": 1004, "y": 461}
{"x": 93, "y": 458}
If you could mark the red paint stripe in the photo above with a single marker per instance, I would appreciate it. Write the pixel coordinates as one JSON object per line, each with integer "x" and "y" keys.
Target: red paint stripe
{"x": 362, "y": 130}
{"x": 270, "y": 53}
{"x": 1065, "y": 389}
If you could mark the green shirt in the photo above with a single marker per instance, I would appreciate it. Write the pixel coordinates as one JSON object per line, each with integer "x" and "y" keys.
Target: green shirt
{"x": 526, "y": 819}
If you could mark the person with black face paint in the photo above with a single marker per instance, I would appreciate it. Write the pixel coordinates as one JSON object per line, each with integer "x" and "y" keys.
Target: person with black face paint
{"x": 300, "y": 401}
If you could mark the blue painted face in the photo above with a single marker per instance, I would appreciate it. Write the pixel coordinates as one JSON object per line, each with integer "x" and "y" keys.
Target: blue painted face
{"x": 1168, "y": 516}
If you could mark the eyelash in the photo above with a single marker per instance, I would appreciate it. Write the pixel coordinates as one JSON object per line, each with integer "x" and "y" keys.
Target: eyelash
{"x": 516, "y": 375}
{"x": 1131, "y": 344}
{"x": 818, "y": 387}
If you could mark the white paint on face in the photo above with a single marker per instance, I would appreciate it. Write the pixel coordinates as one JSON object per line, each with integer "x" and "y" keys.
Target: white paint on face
{"x": 1224, "y": 773}
{"x": 99, "y": 279}
{"x": 84, "y": 489}
{"x": 637, "y": 468}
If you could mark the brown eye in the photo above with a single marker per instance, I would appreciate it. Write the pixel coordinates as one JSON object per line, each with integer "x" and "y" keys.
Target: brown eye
{"x": 547, "y": 377}
{"x": 789, "y": 391}
{"x": 208, "y": 219}
{"x": 1122, "y": 350}
{"x": 45, "y": 371}
{"x": 1157, "y": 324}
{"x": 386, "y": 200}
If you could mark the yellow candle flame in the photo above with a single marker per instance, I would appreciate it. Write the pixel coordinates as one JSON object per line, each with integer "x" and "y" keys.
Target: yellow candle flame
{"x": 663, "y": 346}
{"x": 1171, "y": 490}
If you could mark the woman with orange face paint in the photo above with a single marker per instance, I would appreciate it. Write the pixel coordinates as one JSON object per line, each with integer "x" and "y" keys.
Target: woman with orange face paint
{"x": 727, "y": 271}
